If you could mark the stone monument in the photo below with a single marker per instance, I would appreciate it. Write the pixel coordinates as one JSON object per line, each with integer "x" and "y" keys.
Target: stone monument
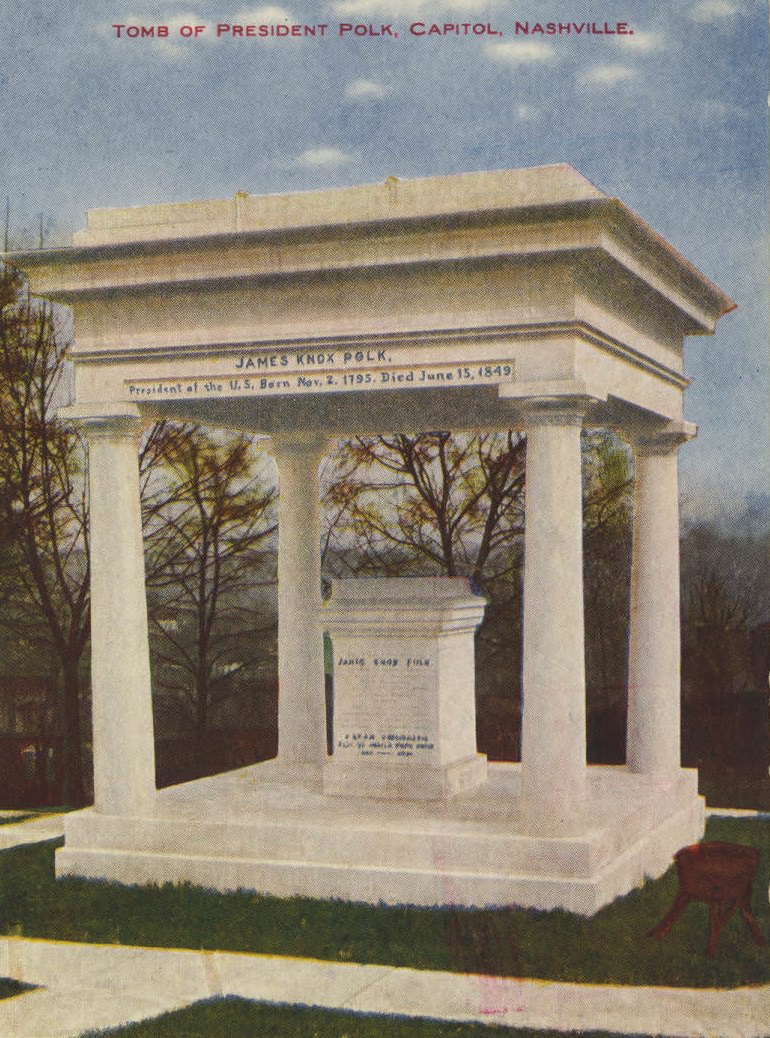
{"x": 524, "y": 299}
{"x": 404, "y": 715}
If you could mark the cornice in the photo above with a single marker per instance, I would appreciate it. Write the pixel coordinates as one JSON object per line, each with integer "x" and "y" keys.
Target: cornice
{"x": 422, "y": 240}
{"x": 584, "y": 331}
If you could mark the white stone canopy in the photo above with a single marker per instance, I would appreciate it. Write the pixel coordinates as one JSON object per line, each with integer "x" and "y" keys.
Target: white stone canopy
{"x": 523, "y": 299}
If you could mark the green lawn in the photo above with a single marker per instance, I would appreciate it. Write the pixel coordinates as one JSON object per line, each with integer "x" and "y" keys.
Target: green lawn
{"x": 238, "y": 1018}
{"x": 611, "y": 947}
{"x": 5, "y": 820}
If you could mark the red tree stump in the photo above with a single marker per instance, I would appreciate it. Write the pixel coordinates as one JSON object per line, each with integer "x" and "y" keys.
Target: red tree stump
{"x": 721, "y": 875}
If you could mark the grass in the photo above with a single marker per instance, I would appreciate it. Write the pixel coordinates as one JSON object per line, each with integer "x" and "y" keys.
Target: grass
{"x": 13, "y": 816}
{"x": 235, "y": 1017}
{"x": 5, "y": 820}
{"x": 610, "y": 947}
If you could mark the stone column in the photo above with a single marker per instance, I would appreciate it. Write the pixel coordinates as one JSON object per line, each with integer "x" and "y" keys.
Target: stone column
{"x": 553, "y": 762}
{"x": 301, "y": 694}
{"x": 123, "y": 739}
{"x": 653, "y": 738}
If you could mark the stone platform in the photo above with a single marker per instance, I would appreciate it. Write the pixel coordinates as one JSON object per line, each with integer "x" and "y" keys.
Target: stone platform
{"x": 270, "y": 829}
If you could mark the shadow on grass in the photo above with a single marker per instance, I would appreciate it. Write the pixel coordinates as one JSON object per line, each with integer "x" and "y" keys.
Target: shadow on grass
{"x": 9, "y": 988}
{"x": 238, "y": 1018}
{"x": 14, "y": 819}
{"x": 611, "y": 947}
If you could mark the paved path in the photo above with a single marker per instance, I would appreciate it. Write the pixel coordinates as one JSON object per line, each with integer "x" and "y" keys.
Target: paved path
{"x": 97, "y": 986}
{"x": 32, "y": 830}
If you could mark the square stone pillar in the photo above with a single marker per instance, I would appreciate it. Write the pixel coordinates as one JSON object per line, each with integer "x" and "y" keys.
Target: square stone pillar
{"x": 404, "y": 688}
{"x": 553, "y": 760}
{"x": 654, "y": 665}
{"x": 123, "y": 735}
{"x": 301, "y": 691}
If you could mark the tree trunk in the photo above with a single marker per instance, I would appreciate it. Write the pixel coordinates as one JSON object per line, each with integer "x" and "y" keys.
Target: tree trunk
{"x": 201, "y": 721}
{"x": 73, "y": 792}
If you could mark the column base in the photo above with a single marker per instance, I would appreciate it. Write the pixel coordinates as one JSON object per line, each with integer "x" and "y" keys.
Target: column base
{"x": 552, "y": 817}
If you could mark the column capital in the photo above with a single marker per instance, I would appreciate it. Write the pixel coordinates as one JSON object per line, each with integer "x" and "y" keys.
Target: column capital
{"x": 556, "y": 410}
{"x": 299, "y": 443}
{"x": 105, "y": 419}
{"x": 663, "y": 440}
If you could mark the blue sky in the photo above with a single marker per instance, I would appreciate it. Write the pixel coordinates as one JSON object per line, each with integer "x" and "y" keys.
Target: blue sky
{"x": 671, "y": 119}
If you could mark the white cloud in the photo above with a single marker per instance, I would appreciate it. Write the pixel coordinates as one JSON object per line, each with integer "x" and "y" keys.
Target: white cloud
{"x": 522, "y": 52}
{"x": 317, "y": 158}
{"x": 713, "y": 10}
{"x": 177, "y": 21}
{"x": 716, "y": 110}
{"x": 640, "y": 40}
{"x": 607, "y": 75}
{"x": 526, "y": 113}
{"x": 365, "y": 90}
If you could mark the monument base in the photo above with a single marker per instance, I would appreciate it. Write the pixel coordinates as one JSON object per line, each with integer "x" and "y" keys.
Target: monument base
{"x": 397, "y": 781}
{"x": 269, "y": 828}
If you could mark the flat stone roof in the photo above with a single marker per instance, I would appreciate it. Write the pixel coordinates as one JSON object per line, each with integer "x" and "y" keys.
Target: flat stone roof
{"x": 392, "y": 199}
{"x": 539, "y": 196}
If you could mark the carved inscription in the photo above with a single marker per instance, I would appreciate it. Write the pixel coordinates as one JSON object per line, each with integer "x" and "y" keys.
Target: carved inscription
{"x": 281, "y": 381}
{"x": 380, "y": 706}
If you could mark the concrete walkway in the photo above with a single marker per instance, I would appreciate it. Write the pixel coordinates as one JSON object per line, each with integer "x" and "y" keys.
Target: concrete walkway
{"x": 98, "y": 986}
{"x": 32, "y": 830}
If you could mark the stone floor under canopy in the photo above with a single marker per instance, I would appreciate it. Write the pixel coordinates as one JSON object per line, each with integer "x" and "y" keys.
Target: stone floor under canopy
{"x": 269, "y": 828}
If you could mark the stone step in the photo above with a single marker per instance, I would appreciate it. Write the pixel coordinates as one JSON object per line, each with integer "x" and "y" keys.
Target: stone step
{"x": 268, "y": 830}
{"x": 288, "y": 863}
{"x": 370, "y": 884}
{"x": 393, "y": 846}
{"x": 422, "y": 843}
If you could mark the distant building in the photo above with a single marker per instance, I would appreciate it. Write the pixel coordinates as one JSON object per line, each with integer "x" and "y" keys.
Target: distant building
{"x": 30, "y": 746}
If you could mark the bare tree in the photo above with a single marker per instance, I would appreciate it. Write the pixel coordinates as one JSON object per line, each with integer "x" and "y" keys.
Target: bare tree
{"x": 429, "y": 503}
{"x": 209, "y": 520}
{"x": 439, "y": 503}
{"x": 726, "y": 595}
{"x": 454, "y": 504}
{"x": 45, "y": 575}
